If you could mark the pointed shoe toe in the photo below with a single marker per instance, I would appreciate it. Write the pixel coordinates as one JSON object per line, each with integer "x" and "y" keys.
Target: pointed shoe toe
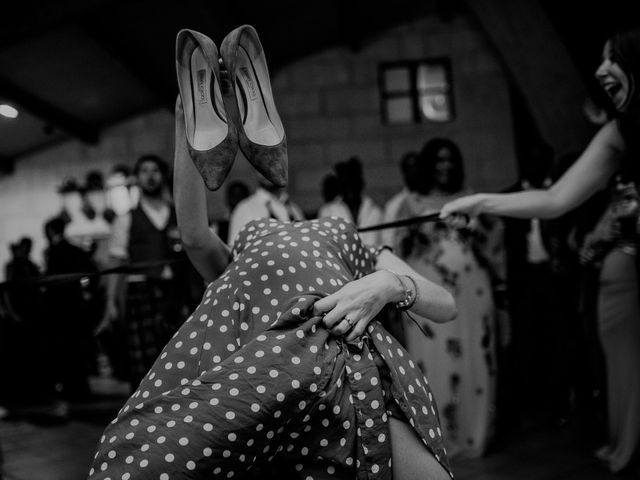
{"x": 251, "y": 105}
{"x": 211, "y": 137}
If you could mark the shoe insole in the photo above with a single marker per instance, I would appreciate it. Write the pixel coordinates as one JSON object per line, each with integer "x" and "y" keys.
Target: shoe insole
{"x": 257, "y": 124}
{"x": 209, "y": 128}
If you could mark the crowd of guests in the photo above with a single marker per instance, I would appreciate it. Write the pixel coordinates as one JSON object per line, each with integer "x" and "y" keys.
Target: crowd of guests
{"x": 526, "y": 350}
{"x": 70, "y": 317}
{"x": 523, "y": 352}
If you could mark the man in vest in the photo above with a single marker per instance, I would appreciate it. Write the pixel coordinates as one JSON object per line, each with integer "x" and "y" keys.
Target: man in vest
{"x": 154, "y": 306}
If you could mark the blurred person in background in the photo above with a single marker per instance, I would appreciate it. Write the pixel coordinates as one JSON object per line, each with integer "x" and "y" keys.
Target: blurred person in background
{"x": 23, "y": 341}
{"x": 18, "y": 269}
{"x": 118, "y": 192}
{"x": 605, "y": 250}
{"x": 409, "y": 168}
{"x": 153, "y": 303}
{"x": 614, "y": 150}
{"x": 268, "y": 201}
{"x": 353, "y": 204}
{"x": 69, "y": 321}
{"x": 459, "y": 357}
{"x": 532, "y": 294}
{"x": 94, "y": 206}
{"x": 330, "y": 187}
{"x": 235, "y": 192}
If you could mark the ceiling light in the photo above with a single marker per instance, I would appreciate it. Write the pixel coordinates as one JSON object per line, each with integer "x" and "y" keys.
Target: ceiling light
{"x": 8, "y": 111}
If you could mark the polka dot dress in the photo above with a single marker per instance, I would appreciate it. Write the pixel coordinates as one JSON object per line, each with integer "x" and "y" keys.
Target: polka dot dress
{"x": 253, "y": 378}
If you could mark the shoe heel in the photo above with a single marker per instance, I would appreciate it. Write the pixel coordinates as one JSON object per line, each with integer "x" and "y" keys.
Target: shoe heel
{"x": 251, "y": 105}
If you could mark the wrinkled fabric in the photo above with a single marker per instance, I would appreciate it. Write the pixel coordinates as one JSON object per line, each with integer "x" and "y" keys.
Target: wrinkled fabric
{"x": 253, "y": 378}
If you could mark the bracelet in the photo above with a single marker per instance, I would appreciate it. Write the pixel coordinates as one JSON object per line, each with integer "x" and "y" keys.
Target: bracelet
{"x": 411, "y": 295}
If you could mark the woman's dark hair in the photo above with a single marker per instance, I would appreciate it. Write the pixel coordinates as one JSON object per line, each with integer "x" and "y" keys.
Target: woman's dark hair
{"x": 625, "y": 51}
{"x": 93, "y": 181}
{"x": 330, "y": 187}
{"x": 410, "y": 170}
{"x": 350, "y": 176}
{"x": 236, "y": 192}
{"x": 429, "y": 160}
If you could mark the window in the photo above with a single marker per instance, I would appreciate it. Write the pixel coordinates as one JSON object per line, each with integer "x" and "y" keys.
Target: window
{"x": 416, "y": 91}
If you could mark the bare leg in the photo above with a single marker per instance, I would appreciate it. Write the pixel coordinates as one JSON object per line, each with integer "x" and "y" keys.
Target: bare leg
{"x": 411, "y": 459}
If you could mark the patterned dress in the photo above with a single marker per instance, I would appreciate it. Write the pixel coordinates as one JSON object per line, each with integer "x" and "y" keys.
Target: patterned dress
{"x": 252, "y": 378}
{"x": 459, "y": 357}
{"x": 613, "y": 247}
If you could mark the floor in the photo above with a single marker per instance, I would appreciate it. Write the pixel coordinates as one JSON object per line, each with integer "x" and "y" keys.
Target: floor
{"x": 36, "y": 448}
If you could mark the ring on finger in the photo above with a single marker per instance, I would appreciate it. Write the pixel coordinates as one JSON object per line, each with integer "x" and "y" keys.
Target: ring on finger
{"x": 350, "y": 321}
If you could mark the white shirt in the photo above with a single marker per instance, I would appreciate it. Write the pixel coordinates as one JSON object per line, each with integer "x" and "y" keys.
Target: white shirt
{"x": 262, "y": 204}
{"x": 368, "y": 214}
{"x": 387, "y": 236}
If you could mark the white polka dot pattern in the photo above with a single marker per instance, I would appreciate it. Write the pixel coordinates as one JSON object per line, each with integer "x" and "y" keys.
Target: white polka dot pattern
{"x": 251, "y": 379}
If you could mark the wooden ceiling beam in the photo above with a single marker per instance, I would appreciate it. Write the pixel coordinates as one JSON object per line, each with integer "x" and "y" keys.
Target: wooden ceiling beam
{"x": 540, "y": 66}
{"x": 48, "y": 113}
{"x": 36, "y": 18}
{"x": 156, "y": 82}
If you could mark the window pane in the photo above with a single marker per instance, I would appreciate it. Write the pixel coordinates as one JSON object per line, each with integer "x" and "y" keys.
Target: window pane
{"x": 399, "y": 110}
{"x": 431, "y": 76}
{"x": 436, "y": 107}
{"x": 397, "y": 80}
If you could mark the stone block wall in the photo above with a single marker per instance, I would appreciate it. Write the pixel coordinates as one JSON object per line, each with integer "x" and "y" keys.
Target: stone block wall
{"x": 329, "y": 103}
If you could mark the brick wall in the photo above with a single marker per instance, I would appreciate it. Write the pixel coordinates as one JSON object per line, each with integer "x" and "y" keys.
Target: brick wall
{"x": 330, "y": 107}
{"x": 331, "y": 110}
{"x": 28, "y": 196}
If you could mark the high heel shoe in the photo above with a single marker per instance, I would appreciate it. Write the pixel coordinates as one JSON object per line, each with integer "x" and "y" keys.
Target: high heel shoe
{"x": 251, "y": 105}
{"x": 211, "y": 137}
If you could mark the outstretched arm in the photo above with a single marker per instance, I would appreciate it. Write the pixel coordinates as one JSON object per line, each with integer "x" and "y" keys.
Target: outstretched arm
{"x": 361, "y": 300}
{"x": 589, "y": 173}
{"x": 207, "y": 252}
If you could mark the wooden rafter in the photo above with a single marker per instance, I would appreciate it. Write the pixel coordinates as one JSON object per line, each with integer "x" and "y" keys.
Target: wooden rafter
{"x": 49, "y": 113}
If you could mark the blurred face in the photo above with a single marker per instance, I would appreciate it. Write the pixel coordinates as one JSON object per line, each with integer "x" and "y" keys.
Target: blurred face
{"x": 613, "y": 80}
{"x": 22, "y": 251}
{"x": 444, "y": 167}
{"x": 352, "y": 190}
{"x": 72, "y": 202}
{"x": 411, "y": 174}
{"x": 150, "y": 179}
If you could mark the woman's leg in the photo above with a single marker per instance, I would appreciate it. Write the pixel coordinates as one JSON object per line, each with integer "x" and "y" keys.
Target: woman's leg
{"x": 411, "y": 459}
{"x": 620, "y": 335}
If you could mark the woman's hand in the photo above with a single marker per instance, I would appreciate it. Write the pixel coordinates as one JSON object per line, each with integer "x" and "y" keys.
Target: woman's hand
{"x": 349, "y": 310}
{"x": 469, "y": 205}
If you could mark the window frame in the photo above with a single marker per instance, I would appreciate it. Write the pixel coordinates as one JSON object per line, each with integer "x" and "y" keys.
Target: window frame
{"x": 412, "y": 93}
